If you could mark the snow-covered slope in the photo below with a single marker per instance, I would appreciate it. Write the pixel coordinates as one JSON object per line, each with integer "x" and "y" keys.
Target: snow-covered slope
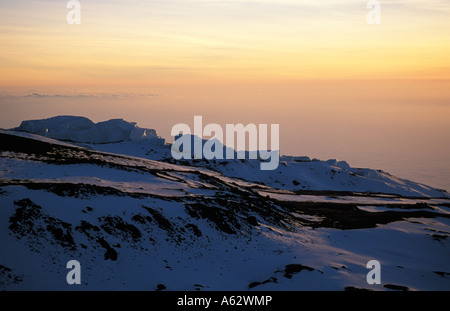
{"x": 291, "y": 174}
{"x": 294, "y": 173}
{"x": 136, "y": 223}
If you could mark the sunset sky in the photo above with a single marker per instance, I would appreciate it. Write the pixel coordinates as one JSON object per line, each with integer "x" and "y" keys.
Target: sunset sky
{"x": 333, "y": 82}
{"x": 143, "y": 43}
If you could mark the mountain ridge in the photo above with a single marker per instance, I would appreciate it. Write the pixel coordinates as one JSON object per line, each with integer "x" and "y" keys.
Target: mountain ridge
{"x": 141, "y": 224}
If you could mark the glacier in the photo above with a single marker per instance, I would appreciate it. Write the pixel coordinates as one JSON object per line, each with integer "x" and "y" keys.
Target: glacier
{"x": 81, "y": 129}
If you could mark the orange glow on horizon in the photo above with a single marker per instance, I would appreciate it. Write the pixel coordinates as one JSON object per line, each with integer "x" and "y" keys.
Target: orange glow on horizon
{"x": 119, "y": 44}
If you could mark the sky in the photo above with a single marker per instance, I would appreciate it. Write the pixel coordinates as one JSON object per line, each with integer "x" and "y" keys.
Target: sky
{"x": 143, "y": 43}
{"x": 338, "y": 86}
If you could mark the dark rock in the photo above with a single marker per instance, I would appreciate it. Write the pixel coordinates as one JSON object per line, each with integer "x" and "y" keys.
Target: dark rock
{"x": 195, "y": 229}
{"x": 110, "y": 253}
{"x": 442, "y": 274}
{"x": 8, "y": 277}
{"x": 396, "y": 287}
{"x": 252, "y": 220}
{"x": 221, "y": 218}
{"x": 292, "y": 269}
{"x": 161, "y": 221}
{"x": 116, "y": 226}
{"x": 29, "y": 221}
{"x": 356, "y": 289}
{"x": 270, "y": 280}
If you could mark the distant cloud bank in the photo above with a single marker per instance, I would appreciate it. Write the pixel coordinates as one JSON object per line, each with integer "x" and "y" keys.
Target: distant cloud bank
{"x": 78, "y": 95}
